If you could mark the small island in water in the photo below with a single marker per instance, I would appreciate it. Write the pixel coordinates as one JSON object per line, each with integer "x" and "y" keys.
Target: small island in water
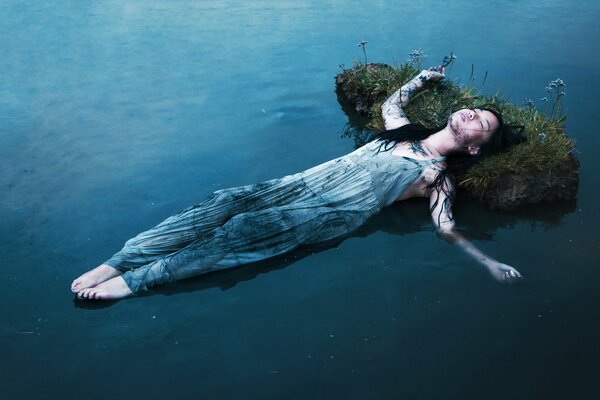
{"x": 540, "y": 170}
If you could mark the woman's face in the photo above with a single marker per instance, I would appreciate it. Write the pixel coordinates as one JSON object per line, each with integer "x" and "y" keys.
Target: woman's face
{"x": 472, "y": 127}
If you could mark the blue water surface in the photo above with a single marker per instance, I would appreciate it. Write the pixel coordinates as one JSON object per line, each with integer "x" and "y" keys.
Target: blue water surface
{"x": 117, "y": 114}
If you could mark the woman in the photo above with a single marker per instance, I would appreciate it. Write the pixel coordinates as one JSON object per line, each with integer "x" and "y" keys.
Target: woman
{"x": 241, "y": 225}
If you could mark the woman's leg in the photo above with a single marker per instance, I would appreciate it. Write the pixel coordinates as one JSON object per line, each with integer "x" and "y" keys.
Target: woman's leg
{"x": 169, "y": 236}
{"x": 245, "y": 238}
{"x": 178, "y": 231}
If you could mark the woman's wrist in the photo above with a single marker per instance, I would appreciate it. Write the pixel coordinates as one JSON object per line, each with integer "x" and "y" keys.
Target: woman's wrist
{"x": 489, "y": 263}
{"x": 476, "y": 254}
{"x": 409, "y": 89}
{"x": 415, "y": 84}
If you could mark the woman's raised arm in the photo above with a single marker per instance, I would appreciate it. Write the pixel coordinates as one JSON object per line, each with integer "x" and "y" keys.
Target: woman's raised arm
{"x": 391, "y": 109}
{"x": 440, "y": 206}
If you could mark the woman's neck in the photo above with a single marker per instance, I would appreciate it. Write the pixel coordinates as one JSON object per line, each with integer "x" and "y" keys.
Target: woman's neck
{"x": 441, "y": 143}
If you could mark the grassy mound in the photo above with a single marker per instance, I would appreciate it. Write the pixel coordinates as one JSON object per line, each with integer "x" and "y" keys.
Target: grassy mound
{"x": 547, "y": 147}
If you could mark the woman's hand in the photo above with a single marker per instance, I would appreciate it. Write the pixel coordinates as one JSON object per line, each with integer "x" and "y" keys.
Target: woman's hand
{"x": 503, "y": 273}
{"x": 434, "y": 74}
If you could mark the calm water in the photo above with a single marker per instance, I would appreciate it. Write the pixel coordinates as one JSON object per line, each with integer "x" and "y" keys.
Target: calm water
{"x": 117, "y": 114}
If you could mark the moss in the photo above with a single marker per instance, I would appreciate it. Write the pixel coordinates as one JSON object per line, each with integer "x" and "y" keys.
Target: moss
{"x": 547, "y": 147}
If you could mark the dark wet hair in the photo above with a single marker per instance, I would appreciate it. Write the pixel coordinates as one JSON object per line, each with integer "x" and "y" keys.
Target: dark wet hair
{"x": 505, "y": 136}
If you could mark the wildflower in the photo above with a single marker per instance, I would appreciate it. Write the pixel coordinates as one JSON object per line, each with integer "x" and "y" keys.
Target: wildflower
{"x": 555, "y": 90}
{"x": 416, "y": 57}
{"x": 362, "y": 44}
{"x": 448, "y": 60}
{"x": 555, "y": 84}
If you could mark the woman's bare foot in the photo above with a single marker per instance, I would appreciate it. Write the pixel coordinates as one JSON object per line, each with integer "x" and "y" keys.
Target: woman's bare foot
{"x": 94, "y": 277}
{"x": 112, "y": 289}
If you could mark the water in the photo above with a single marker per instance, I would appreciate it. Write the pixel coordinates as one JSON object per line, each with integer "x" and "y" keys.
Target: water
{"x": 117, "y": 114}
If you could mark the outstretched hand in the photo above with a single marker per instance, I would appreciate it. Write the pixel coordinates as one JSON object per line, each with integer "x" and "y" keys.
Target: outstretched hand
{"x": 504, "y": 273}
{"x": 434, "y": 74}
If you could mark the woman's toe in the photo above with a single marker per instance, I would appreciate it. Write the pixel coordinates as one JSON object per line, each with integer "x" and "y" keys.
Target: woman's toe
{"x": 75, "y": 285}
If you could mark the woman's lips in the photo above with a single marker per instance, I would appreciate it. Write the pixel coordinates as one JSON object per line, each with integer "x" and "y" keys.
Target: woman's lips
{"x": 462, "y": 115}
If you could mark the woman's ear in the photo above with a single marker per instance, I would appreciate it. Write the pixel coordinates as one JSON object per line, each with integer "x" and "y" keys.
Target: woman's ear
{"x": 473, "y": 150}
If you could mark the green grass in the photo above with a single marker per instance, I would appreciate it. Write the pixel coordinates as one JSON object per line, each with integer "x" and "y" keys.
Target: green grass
{"x": 436, "y": 101}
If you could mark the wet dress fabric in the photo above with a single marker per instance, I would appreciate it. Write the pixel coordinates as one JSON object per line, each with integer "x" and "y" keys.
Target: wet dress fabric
{"x": 241, "y": 225}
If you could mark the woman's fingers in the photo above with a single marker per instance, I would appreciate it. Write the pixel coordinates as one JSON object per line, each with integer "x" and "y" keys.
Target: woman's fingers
{"x": 439, "y": 68}
{"x": 508, "y": 274}
{"x": 436, "y": 73}
{"x": 514, "y": 274}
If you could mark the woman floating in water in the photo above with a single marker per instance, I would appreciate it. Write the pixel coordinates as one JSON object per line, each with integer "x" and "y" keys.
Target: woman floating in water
{"x": 241, "y": 225}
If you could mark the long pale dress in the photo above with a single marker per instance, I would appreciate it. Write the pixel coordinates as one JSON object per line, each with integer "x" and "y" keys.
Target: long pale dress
{"x": 245, "y": 224}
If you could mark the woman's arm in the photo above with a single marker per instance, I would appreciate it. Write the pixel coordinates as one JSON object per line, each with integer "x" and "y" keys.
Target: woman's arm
{"x": 391, "y": 109}
{"x": 440, "y": 206}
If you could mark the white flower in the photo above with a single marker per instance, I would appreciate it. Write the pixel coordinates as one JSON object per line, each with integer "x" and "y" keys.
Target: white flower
{"x": 542, "y": 136}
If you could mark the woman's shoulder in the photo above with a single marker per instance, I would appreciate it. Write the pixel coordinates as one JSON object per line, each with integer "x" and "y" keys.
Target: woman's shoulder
{"x": 437, "y": 169}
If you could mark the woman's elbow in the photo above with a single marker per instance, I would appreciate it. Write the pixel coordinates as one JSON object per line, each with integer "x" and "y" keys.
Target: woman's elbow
{"x": 446, "y": 230}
